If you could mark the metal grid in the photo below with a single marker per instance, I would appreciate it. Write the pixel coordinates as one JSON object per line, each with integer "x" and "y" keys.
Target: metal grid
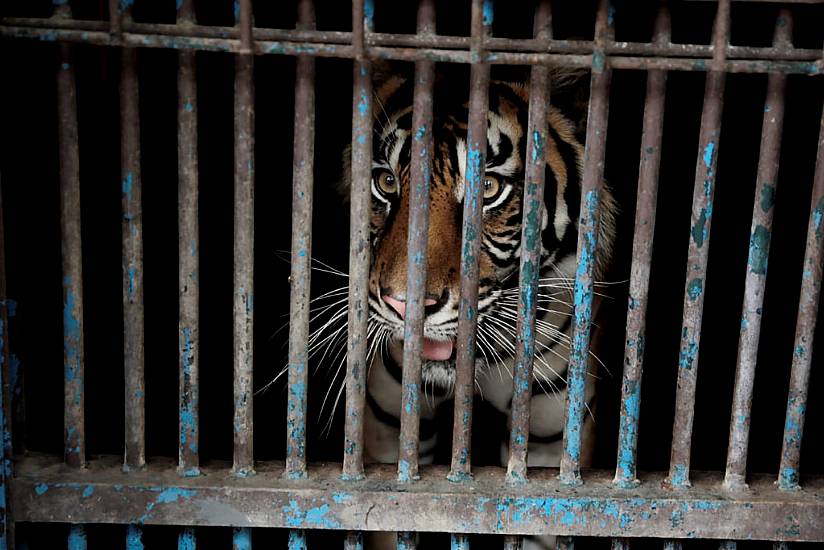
{"x": 461, "y": 499}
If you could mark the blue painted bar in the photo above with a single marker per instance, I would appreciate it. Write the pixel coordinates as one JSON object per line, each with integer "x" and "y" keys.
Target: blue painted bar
{"x": 727, "y": 545}
{"x": 459, "y": 542}
{"x": 360, "y": 205}
{"x": 406, "y": 541}
{"x": 619, "y": 544}
{"x": 625, "y": 471}
{"x": 672, "y": 545}
{"x": 297, "y": 540}
{"x": 788, "y": 472}
{"x": 698, "y": 255}
{"x": 134, "y": 537}
{"x": 242, "y": 538}
{"x": 187, "y": 540}
{"x": 592, "y": 181}
{"x": 77, "y": 538}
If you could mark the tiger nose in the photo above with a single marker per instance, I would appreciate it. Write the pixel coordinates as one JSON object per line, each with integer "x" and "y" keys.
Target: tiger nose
{"x": 398, "y": 303}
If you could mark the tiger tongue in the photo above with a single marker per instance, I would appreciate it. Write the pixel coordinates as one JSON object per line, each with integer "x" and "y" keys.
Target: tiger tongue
{"x": 437, "y": 350}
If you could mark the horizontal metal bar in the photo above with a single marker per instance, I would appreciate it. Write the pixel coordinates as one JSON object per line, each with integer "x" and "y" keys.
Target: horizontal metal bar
{"x": 44, "y": 490}
{"x": 664, "y": 49}
{"x": 757, "y": 64}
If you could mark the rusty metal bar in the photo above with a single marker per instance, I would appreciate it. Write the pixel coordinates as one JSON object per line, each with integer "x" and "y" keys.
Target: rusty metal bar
{"x": 513, "y": 542}
{"x": 6, "y": 407}
{"x": 188, "y": 256}
{"x": 756, "y": 281}
{"x": 672, "y": 545}
{"x": 788, "y": 473}
{"x": 43, "y": 490}
{"x": 727, "y": 545}
{"x": 588, "y": 224}
{"x": 476, "y": 144}
{"x": 651, "y": 139}
{"x": 134, "y": 537}
{"x": 77, "y": 537}
{"x": 755, "y": 61}
{"x": 418, "y": 239}
{"x": 360, "y": 197}
{"x": 132, "y": 227}
{"x": 459, "y": 542}
{"x": 186, "y": 539}
{"x": 244, "y": 232}
{"x": 353, "y": 541}
{"x": 698, "y": 253}
{"x": 781, "y": 546}
{"x": 619, "y": 544}
{"x": 241, "y": 538}
{"x": 300, "y": 277}
{"x": 115, "y": 25}
{"x": 530, "y": 261}
{"x": 73, "y": 371}
{"x": 297, "y": 540}
{"x": 406, "y": 541}
{"x": 153, "y": 31}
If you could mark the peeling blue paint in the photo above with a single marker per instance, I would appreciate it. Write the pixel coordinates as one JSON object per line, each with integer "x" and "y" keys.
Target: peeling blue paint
{"x": 788, "y": 478}
{"x": 709, "y": 153}
{"x": 342, "y": 498}
{"x": 680, "y": 476}
{"x": 41, "y": 489}
{"x": 369, "y": 12}
{"x": 759, "y": 250}
{"x": 598, "y": 62}
{"x": 77, "y": 538}
{"x": 488, "y": 14}
{"x": 236, "y": 10}
{"x": 124, "y": 6}
{"x": 127, "y": 184}
{"x": 134, "y": 538}
{"x": 242, "y": 538}
{"x": 188, "y": 107}
{"x": 695, "y": 288}
{"x": 767, "y": 197}
{"x": 818, "y": 217}
{"x": 688, "y": 354}
{"x": 186, "y": 540}
{"x": 312, "y": 517}
{"x": 88, "y": 491}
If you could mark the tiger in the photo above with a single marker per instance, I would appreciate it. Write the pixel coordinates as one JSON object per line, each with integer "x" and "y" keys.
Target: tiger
{"x": 497, "y": 315}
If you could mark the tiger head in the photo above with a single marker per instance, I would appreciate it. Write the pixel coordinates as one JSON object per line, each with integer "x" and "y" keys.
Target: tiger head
{"x": 502, "y": 215}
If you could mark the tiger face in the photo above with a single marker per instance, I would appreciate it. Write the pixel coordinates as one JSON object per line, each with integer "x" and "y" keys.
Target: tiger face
{"x": 502, "y": 215}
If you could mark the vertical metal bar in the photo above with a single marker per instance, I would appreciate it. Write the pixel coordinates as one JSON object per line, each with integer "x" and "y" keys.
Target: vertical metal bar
{"x": 651, "y": 138}
{"x": 242, "y": 538}
{"x": 530, "y": 266}
{"x": 302, "y": 182}
{"x": 297, "y": 539}
{"x": 6, "y": 515}
{"x": 186, "y": 539}
{"x": 406, "y": 541}
{"x": 587, "y": 244}
{"x": 727, "y": 545}
{"x": 460, "y": 542}
{"x": 698, "y": 253}
{"x": 77, "y": 538}
{"x": 781, "y": 546}
{"x": 760, "y": 231}
{"x": 565, "y": 543}
{"x": 353, "y": 541}
{"x": 418, "y": 238}
{"x": 619, "y": 544}
{"x": 74, "y": 418}
{"x": 672, "y": 545}
{"x": 134, "y": 537}
{"x": 788, "y": 473}
{"x": 133, "y": 335}
{"x": 356, "y": 367}
{"x": 115, "y": 11}
{"x": 476, "y": 144}
{"x": 244, "y": 231}
{"x": 512, "y": 542}
{"x": 188, "y": 254}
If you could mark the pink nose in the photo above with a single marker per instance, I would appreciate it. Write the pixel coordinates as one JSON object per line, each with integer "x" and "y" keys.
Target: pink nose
{"x": 400, "y": 305}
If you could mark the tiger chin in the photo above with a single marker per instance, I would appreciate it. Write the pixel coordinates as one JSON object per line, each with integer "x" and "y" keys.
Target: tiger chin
{"x": 498, "y": 266}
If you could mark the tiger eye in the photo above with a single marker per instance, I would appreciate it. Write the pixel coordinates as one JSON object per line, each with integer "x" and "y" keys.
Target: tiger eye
{"x": 491, "y": 186}
{"x": 387, "y": 183}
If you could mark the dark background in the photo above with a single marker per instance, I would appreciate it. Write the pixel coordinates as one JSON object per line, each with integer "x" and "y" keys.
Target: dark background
{"x": 29, "y": 167}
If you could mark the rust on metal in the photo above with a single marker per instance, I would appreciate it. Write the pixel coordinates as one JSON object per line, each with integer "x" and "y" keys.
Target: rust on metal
{"x": 353, "y": 541}
{"x": 360, "y": 199}
{"x": 300, "y": 277}
{"x": 530, "y": 261}
{"x": 471, "y": 244}
{"x": 788, "y": 473}
{"x": 74, "y": 429}
{"x": 132, "y": 229}
{"x": 588, "y": 227}
{"x": 188, "y": 251}
{"x": 418, "y": 239}
{"x": 651, "y": 138}
{"x": 244, "y": 231}
{"x": 756, "y": 278}
{"x": 698, "y": 254}
{"x": 45, "y": 491}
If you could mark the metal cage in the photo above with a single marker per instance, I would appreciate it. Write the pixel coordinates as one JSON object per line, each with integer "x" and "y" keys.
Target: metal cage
{"x": 461, "y": 500}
